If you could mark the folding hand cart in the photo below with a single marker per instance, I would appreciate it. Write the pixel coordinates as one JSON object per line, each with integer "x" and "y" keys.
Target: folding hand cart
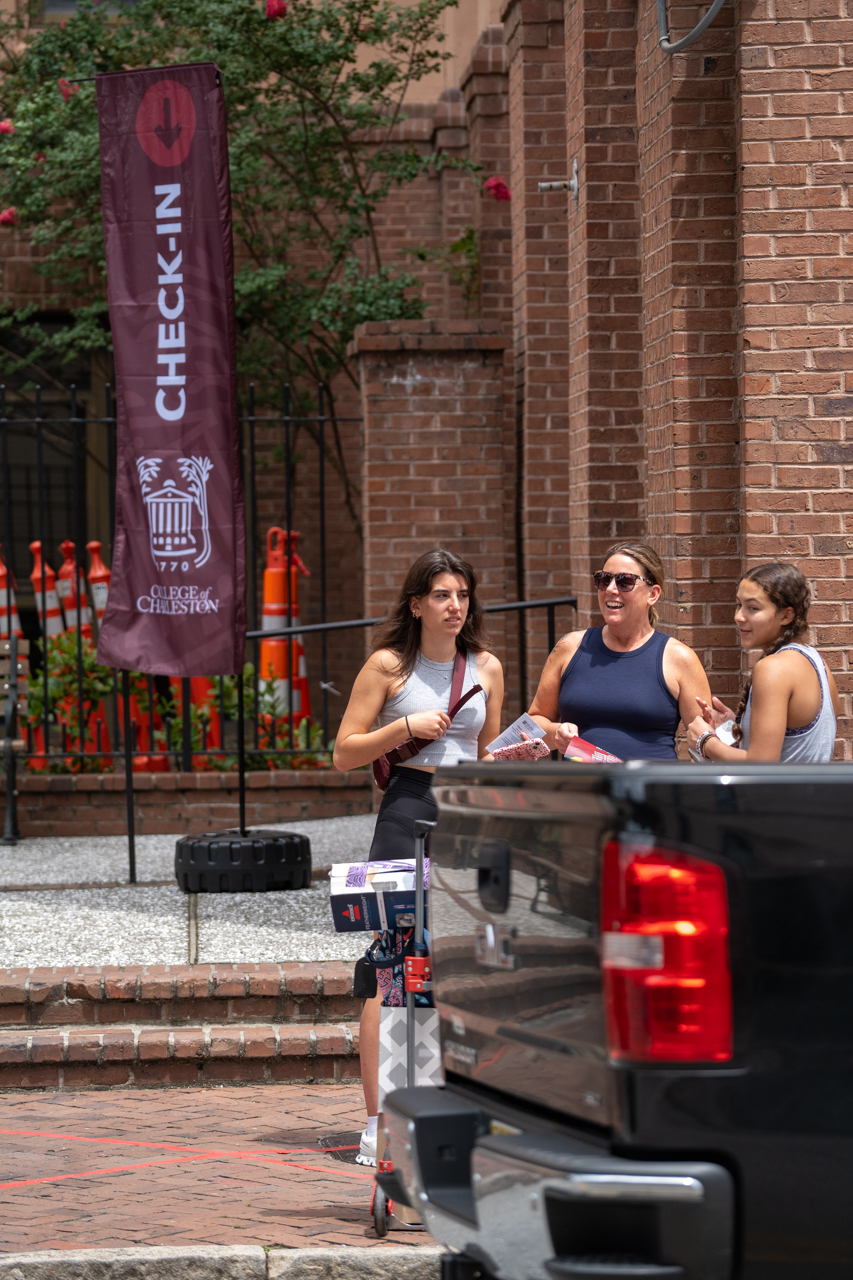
{"x": 417, "y": 979}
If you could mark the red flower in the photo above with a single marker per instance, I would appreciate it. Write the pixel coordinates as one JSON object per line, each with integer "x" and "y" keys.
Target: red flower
{"x": 497, "y": 189}
{"x": 6, "y": 126}
{"x": 39, "y": 157}
{"x": 8, "y": 217}
{"x": 276, "y": 8}
{"x": 66, "y": 88}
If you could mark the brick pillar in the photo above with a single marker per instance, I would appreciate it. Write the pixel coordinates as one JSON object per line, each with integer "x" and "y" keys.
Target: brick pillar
{"x": 537, "y": 111}
{"x": 432, "y": 404}
{"x": 686, "y": 109}
{"x": 458, "y": 196}
{"x": 796, "y": 93}
{"x": 485, "y": 89}
{"x": 605, "y": 304}
{"x": 484, "y": 86}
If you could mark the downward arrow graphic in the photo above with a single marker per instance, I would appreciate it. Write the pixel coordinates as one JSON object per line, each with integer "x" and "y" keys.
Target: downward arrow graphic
{"x": 167, "y": 132}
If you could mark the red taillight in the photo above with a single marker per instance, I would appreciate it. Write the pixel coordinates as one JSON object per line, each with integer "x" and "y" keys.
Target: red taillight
{"x": 664, "y": 941}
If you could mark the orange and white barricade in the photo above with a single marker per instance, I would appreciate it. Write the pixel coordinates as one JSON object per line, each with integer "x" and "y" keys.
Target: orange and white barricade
{"x": 8, "y": 602}
{"x": 99, "y": 580}
{"x": 275, "y": 671}
{"x": 66, "y": 589}
{"x": 47, "y": 600}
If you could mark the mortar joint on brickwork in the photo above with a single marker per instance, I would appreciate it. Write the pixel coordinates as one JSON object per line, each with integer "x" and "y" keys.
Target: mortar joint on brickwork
{"x": 349, "y": 1039}
{"x": 312, "y": 1041}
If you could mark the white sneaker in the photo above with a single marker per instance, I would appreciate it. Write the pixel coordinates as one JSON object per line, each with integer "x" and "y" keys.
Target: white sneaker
{"x": 366, "y": 1150}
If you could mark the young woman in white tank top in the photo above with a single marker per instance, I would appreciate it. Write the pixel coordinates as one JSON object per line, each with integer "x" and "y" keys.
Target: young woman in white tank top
{"x": 404, "y": 689}
{"x": 789, "y": 709}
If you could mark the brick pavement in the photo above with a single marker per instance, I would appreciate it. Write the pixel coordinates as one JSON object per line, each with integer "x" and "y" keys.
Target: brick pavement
{"x": 225, "y": 1166}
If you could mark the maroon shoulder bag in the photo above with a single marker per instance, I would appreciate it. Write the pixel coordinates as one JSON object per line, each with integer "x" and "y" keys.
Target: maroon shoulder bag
{"x": 411, "y": 747}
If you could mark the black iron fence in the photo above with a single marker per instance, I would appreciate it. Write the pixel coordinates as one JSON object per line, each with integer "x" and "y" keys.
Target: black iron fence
{"x": 65, "y": 713}
{"x": 58, "y": 488}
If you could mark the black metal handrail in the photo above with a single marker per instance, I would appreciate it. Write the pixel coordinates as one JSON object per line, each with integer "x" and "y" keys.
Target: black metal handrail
{"x": 512, "y": 607}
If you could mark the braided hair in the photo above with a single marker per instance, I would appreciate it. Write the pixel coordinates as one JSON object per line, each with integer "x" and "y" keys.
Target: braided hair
{"x": 788, "y": 589}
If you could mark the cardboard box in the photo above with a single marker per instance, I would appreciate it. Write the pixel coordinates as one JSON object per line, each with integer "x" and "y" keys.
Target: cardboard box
{"x": 374, "y": 895}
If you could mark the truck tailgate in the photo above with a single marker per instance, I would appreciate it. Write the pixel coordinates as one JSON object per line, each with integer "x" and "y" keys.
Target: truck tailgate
{"x": 514, "y": 936}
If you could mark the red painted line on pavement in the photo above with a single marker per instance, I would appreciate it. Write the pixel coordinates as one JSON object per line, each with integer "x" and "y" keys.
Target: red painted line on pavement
{"x": 314, "y": 1168}
{"x": 95, "y": 1173}
{"x": 169, "y": 1146}
{"x": 193, "y": 1153}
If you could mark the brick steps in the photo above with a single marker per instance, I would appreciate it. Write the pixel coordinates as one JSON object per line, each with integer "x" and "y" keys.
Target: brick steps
{"x": 142, "y": 1056}
{"x": 178, "y": 995}
{"x": 161, "y": 1025}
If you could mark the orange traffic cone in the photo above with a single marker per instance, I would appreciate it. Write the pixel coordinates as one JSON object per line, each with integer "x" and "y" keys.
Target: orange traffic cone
{"x": 99, "y": 580}
{"x": 274, "y": 653}
{"x": 66, "y": 589}
{"x": 47, "y": 601}
{"x": 8, "y": 603}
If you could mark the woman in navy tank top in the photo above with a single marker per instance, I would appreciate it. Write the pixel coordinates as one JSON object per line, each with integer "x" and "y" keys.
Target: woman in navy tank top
{"x": 624, "y": 686}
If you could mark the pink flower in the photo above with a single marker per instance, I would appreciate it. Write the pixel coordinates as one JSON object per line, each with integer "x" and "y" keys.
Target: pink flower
{"x": 66, "y": 88}
{"x": 497, "y": 189}
{"x": 276, "y": 8}
{"x": 6, "y": 126}
{"x": 8, "y": 217}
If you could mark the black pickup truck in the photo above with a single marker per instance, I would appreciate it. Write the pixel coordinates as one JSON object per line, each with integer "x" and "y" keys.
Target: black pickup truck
{"x": 644, "y": 974}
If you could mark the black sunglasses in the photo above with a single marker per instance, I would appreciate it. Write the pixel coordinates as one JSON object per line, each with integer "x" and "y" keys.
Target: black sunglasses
{"x": 624, "y": 581}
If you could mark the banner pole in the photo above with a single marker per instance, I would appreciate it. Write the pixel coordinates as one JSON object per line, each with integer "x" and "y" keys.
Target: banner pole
{"x": 128, "y": 776}
{"x": 186, "y": 727}
{"x": 241, "y": 756}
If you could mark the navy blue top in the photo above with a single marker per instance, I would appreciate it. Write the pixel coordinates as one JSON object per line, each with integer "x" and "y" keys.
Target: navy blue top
{"x": 620, "y": 701}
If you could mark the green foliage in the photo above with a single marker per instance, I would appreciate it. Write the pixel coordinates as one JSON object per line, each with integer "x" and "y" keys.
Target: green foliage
{"x": 63, "y": 697}
{"x": 63, "y": 706}
{"x": 461, "y": 261}
{"x": 304, "y": 92}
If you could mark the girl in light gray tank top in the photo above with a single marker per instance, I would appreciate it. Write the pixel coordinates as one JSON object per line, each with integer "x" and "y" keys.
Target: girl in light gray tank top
{"x": 428, "y": 688}
{"x": 772, "y": 615}
{"x": 400, "y": 693}
{"x": 815, "y": 742}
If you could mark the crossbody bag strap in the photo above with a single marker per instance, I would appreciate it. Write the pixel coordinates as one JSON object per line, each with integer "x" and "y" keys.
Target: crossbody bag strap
{"x": 415, "y": 745}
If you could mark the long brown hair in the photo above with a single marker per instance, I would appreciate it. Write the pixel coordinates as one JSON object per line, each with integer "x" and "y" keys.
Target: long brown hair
{"x": 401, "y": 630}
{"x": 788, "y": 589}
{"x": 649, "y": 559}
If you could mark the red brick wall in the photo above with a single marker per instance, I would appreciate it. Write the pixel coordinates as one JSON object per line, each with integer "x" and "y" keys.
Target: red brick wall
{"x": 432, "y": 400}
{"x": 486, "y": 92}
{"x": 533, "y": 31}
{"x": 795, "y": 273}
{"x": 605, "y": 303}
{"x": 686, "y": 110}
{"x": 184, "y": 803}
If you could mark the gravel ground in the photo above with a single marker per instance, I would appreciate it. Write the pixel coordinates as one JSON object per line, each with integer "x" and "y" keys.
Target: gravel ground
{"x": 143, "y": 925}
{"x": 88, "y": 859}
{"x": 273, "y": 926}
{"x": 93, "y": 926}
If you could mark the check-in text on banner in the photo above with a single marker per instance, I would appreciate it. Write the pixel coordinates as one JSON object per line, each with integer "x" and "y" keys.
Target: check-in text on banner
{"x": 177, "y": 596}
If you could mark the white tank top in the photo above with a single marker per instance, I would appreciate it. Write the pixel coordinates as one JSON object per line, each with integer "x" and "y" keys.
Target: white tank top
{"x": 814, "y": 743}
{"x": 428, "y": 689}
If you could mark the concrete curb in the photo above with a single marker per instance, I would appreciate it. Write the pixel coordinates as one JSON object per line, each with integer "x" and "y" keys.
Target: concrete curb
{"x": 225, "y": 1262}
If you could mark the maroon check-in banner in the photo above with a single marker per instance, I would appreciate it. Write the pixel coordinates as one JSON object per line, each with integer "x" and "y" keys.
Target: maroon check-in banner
{"x": 177, "y": 595}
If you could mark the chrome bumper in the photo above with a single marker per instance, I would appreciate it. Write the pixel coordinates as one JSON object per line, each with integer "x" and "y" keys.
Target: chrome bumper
{"x": 541, "y": 1206}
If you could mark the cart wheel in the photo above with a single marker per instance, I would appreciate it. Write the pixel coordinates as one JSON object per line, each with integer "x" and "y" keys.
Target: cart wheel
{"x": 380, "y": 1211}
